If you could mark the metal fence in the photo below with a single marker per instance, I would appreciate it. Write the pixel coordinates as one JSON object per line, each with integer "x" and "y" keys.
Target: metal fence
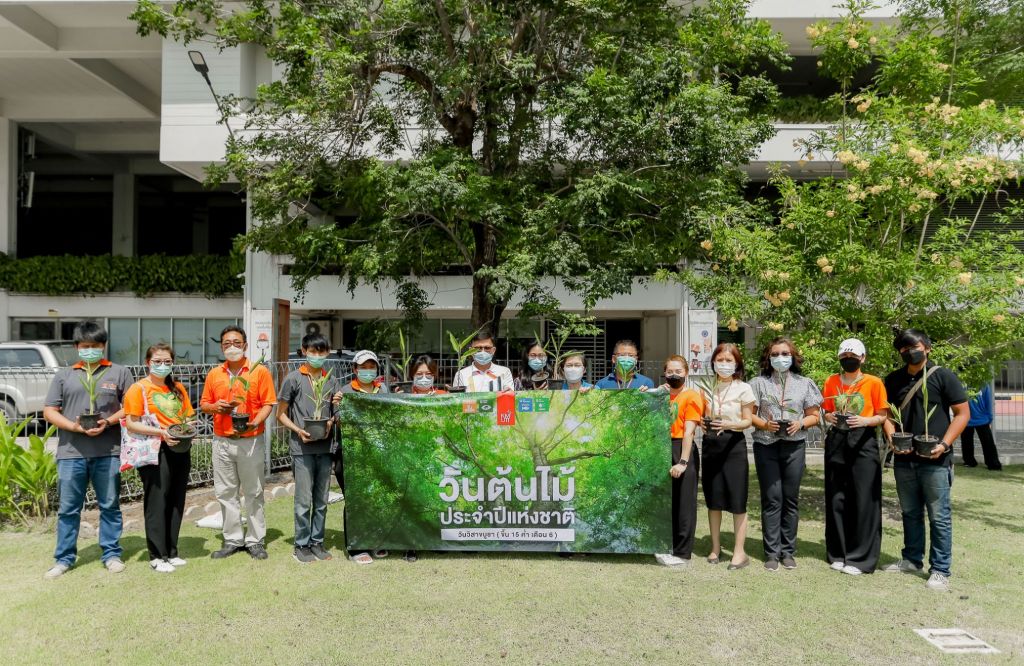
{"x": 23, "y": 391}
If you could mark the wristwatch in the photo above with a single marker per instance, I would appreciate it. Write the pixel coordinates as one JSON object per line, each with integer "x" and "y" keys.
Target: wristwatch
{"x": 946, "y": 447}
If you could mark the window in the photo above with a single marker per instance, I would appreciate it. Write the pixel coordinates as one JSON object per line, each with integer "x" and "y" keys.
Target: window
{"x": 154, "y": 331}
{"x": 188, "y": 341}
{"x": 20, "y": 358}
{"x": 124, "y": 341}
{"x": 36, "y": 330}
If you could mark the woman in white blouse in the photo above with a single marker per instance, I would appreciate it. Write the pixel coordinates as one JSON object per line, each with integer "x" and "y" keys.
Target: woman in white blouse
{"x": 724, "y": 472}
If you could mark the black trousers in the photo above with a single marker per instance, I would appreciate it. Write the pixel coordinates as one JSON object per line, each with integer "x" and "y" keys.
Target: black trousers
{"x": 988, "y": 446}
{"x": 853, "y": 498}
{"x": 163, "y": 501}
{"x": 684, "y": 502}
{"x": 780, "y": 468}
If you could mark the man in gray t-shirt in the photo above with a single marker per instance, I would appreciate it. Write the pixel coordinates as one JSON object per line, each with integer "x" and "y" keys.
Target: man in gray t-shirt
{"x": 88, "y": 455}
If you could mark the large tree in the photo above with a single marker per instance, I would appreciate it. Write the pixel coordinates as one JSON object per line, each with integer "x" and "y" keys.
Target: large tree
{"x": 513, "y": 141}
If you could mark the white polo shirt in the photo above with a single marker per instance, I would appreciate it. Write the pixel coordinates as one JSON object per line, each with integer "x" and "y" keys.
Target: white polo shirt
{"x": 494, "y": 378}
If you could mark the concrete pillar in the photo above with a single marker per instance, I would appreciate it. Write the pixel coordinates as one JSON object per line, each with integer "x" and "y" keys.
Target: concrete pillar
{"x": 124, "y": 215}
{"x": 8, "y": 186}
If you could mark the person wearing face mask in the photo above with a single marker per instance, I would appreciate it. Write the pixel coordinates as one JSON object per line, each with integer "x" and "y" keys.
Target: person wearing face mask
{"x": 424, "y": 376}
{"x": 624, "y": 374}
{"x": 725, "y": 475}
{"x": 924, "y": 482}
{"x": 853, "y": 469}
{"x": 88, "y": 455}
{"x": 483, "y": 374}
{"x": 238, "y": 386}
{"x": 312, "y": 461}
{"x": 574, "y": 367}
{"x": 687, "y": 407}
{"x": 784, "y": 395}
{"x": 535, "y": 361}
{"x": 163, "y": 484}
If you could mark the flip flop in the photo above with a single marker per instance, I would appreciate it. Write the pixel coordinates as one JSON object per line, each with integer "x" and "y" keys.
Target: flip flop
{"x": 713, "y": 559}
{"x": 362, "y": 558}
{"x": 735, "y": 567}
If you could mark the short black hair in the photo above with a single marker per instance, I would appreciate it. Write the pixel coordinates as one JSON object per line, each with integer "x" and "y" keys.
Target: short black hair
{"x": 484, "y": 334}
{"x": 909, "y": 337}
{"x": 625, "y": 342}
{"x": 232, "y": 328}
{"x": 316, "y": 342}
{"x": 89, "y": 331}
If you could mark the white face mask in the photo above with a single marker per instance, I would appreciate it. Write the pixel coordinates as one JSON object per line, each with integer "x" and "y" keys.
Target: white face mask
{"x": 573, "y": 374}
{"x": 423, "y": 381}
{"x": 725, "y": 369}
{"x": 233, "y": 354}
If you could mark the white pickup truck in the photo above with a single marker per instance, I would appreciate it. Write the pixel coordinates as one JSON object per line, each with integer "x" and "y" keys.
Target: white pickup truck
{"x": 26, "y": 370}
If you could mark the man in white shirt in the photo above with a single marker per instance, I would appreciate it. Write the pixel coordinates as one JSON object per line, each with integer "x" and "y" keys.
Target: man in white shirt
{"x": 483, "y": 376}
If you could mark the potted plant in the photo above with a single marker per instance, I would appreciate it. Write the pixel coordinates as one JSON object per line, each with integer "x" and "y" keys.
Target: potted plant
{"x": 317, "y": 425}
{"x": 901, "y": 441}
{"x": 708, "y": 385}
{"x": 240, "y": 420}
{"x": 91, "y": 418}
{"x": 780, "y": 402}
{"x": 847, "y": 405}
{"x": 923, "y": 444}
{"x": 183, "y": 429}
{"x": 461, "y": 354}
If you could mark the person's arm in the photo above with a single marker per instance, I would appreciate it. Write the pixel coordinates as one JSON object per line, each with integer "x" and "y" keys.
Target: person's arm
{"x": 209, "y": 403}
{"x": 678, "y": 469}
{"x": 54, "y": 416}
{"x": 961, "y": 415}
{"x": 282, "y": 417}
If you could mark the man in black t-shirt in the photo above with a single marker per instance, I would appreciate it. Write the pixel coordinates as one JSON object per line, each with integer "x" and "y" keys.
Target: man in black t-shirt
{"x": 924, "y": 482}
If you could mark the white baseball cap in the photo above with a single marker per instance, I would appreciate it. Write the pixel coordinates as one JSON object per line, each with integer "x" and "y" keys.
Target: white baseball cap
{"x": 364, "y": 355}
{"x": 852, "y": 345}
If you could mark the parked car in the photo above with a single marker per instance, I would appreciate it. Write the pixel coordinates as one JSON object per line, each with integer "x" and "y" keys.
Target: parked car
{"x": 26, "y": 370}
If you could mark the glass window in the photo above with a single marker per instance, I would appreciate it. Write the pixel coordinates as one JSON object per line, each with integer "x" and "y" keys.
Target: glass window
{"x": 66, "y": 353}
{"x": 154, "y": 331}
{"x": 213, "y": 329}
{"x": 20, "y": 358}
{"x": 188, "y": 341}
{"x": 124, "y": 341}
{"x": 67, "y": 329}
{"x": 36, "y": 330}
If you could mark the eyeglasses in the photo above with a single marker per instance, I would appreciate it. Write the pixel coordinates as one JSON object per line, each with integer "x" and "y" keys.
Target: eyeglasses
{"x": 633, "y": 356}
{"x": 780, "y": 354}
{"x": 488, "y": 348}
{"x": 228, "y": 344}
{"x": 538, "y": 356}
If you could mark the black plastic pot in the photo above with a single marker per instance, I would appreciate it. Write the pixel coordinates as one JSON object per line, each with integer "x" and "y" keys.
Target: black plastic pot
{"x": 455, "y": 389}
{"x": 89, "y": 421}
{"x": 783, "y": 427}
{"x": 841, "y": 423}
{"x": 556, "y": 384}
{"x": 401, "y": 387}
{"x": 240, "y": 422}
{"x": 184, "y": 433}
{"x": 903, "y": 441}
{"x": 923, "y": 445}
{"x": 317, "y": 428}
{"x": 707, "y": 423}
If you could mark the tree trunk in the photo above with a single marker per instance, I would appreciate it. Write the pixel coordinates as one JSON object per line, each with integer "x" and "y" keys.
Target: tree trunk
{"x": 487, "y": 309}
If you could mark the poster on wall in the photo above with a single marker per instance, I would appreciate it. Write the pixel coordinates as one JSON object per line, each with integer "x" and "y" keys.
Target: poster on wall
{"x": 262, "y": 335}
{"x": 703, "y": 326}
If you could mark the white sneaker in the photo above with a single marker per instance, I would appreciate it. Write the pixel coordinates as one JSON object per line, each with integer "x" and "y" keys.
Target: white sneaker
{"x": 670, "y": 560}
{"x": 56, "y": 571}
{"x": 161, "y": 566}
{"x": 114, "y": 565}
{"x": 938, "y": 582}
{"x": 903, "y": 566}
{"x": 176, "y": 561}
{"x": 838, "y": 565}
{"x": 852, "y": 570}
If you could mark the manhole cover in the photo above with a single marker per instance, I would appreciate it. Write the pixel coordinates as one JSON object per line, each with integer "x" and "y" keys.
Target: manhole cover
{"x": 956, "y": 641}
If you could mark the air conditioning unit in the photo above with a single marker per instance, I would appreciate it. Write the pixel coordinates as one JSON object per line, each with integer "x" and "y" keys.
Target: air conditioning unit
{"x": 313, "y": 326}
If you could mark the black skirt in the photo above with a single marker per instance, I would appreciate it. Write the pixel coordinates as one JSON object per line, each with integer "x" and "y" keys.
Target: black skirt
{"x": 725, "y": 473}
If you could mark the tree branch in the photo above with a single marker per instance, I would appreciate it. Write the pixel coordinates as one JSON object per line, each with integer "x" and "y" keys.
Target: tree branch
{"x": 446, "y": 28}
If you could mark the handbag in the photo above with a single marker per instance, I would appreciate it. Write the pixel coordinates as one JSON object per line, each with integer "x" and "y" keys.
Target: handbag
{"x": 140, "y": 450}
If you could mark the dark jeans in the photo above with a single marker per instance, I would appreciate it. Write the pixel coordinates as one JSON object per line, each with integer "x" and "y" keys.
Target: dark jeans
{"x": 312, "y": 473}
{"x": 853, "y": 498}
{"x": 988, "y": 446}
{"x": 684, "y": 502}
{"x": 780, "y": 467}
{"x": 922, "y": 486}
{"x": 73, "y": 478}
{"x": 163, "y": 501}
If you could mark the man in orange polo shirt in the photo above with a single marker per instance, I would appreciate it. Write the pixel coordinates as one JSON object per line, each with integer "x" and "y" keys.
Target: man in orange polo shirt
{"x": 241, "y": 388}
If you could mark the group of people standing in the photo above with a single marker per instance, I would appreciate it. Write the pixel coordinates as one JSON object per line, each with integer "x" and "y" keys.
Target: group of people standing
{"x": 780, "y": 403}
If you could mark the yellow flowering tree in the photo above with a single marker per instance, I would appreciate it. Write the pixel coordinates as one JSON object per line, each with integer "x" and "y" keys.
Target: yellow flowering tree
{"x": 902, "y": 233}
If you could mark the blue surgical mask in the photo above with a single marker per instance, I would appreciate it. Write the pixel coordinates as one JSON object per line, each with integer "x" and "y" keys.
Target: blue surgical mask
{"x": 160, "y": 370}
{"x": 316, "y": 362}
{"x": 537, "y": 363}
{"x": 90, "y": 354}
{"x": 625, "y": 364}
{"x": 782, "y": 363}
{"x": 424, "y": 381}
{"x": 482, "y": 357}
{"x": 366, "y": 376}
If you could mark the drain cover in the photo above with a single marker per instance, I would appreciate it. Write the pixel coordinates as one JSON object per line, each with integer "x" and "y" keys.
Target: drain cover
{"x": 956, "y": 641}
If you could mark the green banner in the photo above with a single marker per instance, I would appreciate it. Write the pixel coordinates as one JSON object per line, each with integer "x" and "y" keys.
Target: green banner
{"x": 536, "y": 470}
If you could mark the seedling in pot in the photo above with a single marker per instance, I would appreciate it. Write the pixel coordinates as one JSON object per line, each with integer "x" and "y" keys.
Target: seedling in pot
{"x": 317, "y": 425}
{"x": 780, "y": 404}
{"x": 923, "y": 444}
{"x": 462, "y": 352}
{"x": 708, "y": 386}
{"x": 901, "y": 441}
{"x": 183, "y": 429}
{"x": 847, "y": 405}
{"x": 240, "y": 420}
{"x": 91, "y": 419}
{"x": 405, "y": 358}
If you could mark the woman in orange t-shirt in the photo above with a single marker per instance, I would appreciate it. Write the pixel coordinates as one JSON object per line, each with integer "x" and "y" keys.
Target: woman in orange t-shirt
{"x": 687, "y": 407}
{"x": 855, "y": 404}
{"x": 164, "y": 484}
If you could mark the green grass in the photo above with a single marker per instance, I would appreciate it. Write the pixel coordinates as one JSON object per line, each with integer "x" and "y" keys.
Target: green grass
{"x": 523, "y": 608}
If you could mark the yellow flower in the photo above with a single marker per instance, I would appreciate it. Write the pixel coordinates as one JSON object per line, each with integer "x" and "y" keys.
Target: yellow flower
{"x": 784, "y": 296}
{"x": 791, "y": 226}
{"x": 830, "y": 213}
{"x": 864, "y": 106}
{"x": 812, "y": 32}
{"x": 910, "y": 284}
{"x": 853, "y": 44}
{"x": 941, "y": 66}
{"x": 819, "y": 63}
{"x": 811, "y": 342}
{"x": 707, "y": 245}
{"x": 862, "y": 165}
{"x": 733, "y": 325}
{"x": 1019, "y": 280}
{"x": 873, "y": 41}
{"x": 715, "y": 267}
{"x": 846, "y": 156}
{"x": 768, "y": 274}
{"x": 785, "y": 276}
{"x": 999, "y": 319}
{"x": 986, "y": 103}
{"x": 936, "y": 258}
{"x": 827, "y": 269}
{"x": 767, "y": 295}
{"x": 965, "y": 278}
{"x": 775, "y": 326}
{"x": 822, "y": 262}
{"x": 956, "y": 263}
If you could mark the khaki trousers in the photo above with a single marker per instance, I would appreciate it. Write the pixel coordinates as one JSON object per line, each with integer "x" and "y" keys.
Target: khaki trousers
{"x": 238, "y": 473}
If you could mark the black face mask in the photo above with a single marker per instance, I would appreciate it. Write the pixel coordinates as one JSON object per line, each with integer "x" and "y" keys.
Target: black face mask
{"x": 912, "y": 356}
{"x": 675, "y": 381}
{"x": 850, "y": 364}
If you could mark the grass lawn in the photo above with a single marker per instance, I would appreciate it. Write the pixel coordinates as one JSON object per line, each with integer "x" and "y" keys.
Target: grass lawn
{"x": 523, "y": 608}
